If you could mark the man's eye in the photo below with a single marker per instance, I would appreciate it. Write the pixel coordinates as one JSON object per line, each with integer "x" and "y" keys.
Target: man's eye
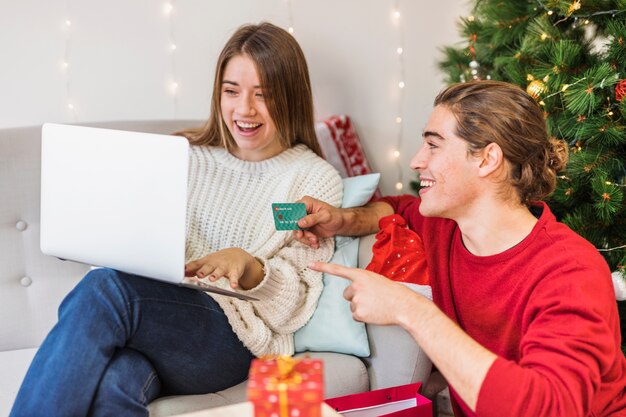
{"x": 431, "y": 145}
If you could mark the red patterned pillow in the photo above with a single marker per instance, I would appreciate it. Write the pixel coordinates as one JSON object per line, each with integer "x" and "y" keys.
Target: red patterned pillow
{"x": 342, "y": 147}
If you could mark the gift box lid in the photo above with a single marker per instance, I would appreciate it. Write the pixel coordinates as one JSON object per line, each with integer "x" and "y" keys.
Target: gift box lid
{"x": 295, "y": 376}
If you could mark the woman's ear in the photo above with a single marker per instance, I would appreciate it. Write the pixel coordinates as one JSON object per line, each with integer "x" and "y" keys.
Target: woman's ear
{"x": 491, "y": 160}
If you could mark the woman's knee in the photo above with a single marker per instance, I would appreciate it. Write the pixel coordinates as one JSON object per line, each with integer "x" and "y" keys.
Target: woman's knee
{"x": 101, "y": 284}
{"x": 129, "y": 381}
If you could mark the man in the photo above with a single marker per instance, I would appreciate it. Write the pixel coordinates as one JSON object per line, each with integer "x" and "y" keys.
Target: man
{"x": 524, "y": 320}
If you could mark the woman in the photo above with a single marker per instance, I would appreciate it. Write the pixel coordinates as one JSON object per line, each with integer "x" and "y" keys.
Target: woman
{"x": 122, "y": 340}
{"x": 524, "y": 320}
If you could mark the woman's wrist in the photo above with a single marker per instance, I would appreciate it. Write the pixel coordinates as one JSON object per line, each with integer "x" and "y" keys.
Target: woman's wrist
{"x": 253, "y": 275}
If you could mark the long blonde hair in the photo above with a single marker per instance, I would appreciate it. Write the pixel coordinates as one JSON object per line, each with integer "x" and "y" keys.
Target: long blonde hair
{"x": 284, "y": 78}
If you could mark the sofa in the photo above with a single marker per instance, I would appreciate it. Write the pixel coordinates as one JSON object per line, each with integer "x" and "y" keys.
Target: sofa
{"x": 32, "y": 286}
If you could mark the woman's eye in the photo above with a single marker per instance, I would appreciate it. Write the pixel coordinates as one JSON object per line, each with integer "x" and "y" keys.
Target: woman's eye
{"x": 260, "y": 95}
{"x": 431, "y": 145}
{"x": 230, "y": 92}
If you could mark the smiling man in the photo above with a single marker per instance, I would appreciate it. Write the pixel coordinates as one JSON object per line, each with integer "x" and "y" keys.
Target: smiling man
{"x": 523, "y": 320}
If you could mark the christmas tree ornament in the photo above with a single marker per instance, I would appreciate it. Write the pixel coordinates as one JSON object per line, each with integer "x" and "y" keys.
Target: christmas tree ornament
{"x": 536, "y": 89}
{"x": 620, "y": 90}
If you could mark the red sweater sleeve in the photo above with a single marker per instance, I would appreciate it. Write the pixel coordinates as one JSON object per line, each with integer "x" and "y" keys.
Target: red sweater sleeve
{"x": 568, "y": 347}
{"x": 407, "y": 206}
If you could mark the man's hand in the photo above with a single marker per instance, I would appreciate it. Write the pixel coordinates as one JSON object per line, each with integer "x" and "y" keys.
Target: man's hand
{"x": 322, "y": 221}
{"x": 325, "y": 220}
{"x": 234, "y": 264}
{"x": 373, "y": 298}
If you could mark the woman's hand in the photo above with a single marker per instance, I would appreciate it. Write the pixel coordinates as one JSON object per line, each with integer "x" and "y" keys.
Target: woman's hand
{"x": 234, "y": 264}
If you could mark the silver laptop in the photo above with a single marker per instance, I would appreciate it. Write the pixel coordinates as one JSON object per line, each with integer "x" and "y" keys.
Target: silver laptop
{"x": 117, "y": 199}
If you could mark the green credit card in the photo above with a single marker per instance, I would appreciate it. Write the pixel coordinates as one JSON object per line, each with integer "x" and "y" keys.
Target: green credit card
{"x": 286, "y": 215}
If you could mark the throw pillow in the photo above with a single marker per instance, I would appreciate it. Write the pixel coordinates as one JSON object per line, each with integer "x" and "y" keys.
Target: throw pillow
{"x": 341, "y": 147}
{"x": 332, "y": 328}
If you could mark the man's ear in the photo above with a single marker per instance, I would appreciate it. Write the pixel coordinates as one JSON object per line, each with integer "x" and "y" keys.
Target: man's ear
{"x": 491, "y": 160}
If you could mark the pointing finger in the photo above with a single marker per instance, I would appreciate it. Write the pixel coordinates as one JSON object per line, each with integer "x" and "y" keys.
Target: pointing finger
{"x": 335, "y": 269}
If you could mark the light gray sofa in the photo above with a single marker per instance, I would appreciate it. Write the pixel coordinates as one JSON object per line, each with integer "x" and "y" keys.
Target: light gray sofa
{"x": 32, "y": 286}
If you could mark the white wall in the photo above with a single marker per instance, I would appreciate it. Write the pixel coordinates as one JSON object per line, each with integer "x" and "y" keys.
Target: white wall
{"x": 121, "y": 65}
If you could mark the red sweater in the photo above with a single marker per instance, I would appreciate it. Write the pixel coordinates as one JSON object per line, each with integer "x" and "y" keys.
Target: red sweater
{"x": 546, "y": 307}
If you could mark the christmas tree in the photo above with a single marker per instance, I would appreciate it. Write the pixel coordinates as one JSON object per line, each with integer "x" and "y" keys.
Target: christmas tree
{"x": 570, "y": 56}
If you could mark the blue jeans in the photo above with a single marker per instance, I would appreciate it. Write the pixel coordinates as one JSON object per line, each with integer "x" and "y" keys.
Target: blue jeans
{"x": 121, "y": 341}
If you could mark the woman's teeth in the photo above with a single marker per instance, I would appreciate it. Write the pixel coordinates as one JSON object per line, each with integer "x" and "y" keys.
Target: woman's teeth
{"x": 245, "y": 125}
{"x": 426, "y": 183}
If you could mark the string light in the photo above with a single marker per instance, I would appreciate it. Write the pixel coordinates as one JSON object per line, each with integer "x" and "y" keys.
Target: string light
{"x": 169, "y": 11}
{"x": 65, "y": 63}
{"x": 290, "y": 29}
{"x": 396, "y": 14}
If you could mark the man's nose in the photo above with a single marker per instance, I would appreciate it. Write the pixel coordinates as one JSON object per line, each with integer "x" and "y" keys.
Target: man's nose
{"x": 418, "y": 161}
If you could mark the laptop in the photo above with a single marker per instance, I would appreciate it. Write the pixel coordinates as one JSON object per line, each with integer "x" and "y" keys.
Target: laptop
{"x": 117, "y": 199}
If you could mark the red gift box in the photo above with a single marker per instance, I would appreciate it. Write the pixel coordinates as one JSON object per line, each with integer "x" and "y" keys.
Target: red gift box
{"x": 286, "y": 387}
{"x": 400, "y": 401}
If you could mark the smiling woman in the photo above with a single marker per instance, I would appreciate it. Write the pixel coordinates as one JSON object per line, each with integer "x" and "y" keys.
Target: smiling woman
{"x": 245, "y": 113}
{"x": 138, "y": 339}
{"x": 254, "y": 86}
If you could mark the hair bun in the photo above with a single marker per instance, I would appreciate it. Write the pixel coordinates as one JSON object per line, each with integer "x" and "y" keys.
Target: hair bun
{"x": 559, "y": 154}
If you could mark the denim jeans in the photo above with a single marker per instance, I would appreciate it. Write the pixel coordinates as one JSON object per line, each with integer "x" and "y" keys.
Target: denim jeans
{"x": 123, "y": 340}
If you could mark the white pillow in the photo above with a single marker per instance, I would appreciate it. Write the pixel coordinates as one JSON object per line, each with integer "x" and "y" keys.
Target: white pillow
{"x": 332, "y": 328}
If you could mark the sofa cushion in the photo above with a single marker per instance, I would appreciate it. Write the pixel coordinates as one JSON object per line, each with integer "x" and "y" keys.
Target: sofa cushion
{"x": 332, "y": 328}
{"x": 13, "y": 366}
{"x": 343, "y": 375}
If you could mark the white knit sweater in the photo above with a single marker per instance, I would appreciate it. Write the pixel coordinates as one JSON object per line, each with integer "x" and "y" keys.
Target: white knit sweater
{"x": 229, "y": 205}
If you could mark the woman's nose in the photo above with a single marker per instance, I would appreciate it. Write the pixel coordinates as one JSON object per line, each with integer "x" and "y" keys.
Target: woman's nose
{"x": 245, "y": 107}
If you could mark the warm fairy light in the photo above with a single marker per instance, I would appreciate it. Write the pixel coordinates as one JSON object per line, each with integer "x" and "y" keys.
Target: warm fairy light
{"x": 168, "y": 9}
{"x": 471, "y": 18}
{"x": 550, "y": 12}
{"x": 397, "y": 150}
{"x": 544, "y": 36}
{"x": 291, "y": 27}
{"x": 565, "y": 87}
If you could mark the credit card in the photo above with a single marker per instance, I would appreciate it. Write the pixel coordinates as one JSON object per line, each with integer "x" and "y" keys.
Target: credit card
{"x": 286, "y": 215}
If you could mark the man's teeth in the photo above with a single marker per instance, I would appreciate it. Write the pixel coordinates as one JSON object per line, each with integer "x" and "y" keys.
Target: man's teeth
{"x": 245, "y": 125}
{"x": 426, "y": 183}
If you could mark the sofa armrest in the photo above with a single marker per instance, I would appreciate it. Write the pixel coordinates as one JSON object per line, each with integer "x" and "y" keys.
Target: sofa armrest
{"x": 395, "y": 358}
